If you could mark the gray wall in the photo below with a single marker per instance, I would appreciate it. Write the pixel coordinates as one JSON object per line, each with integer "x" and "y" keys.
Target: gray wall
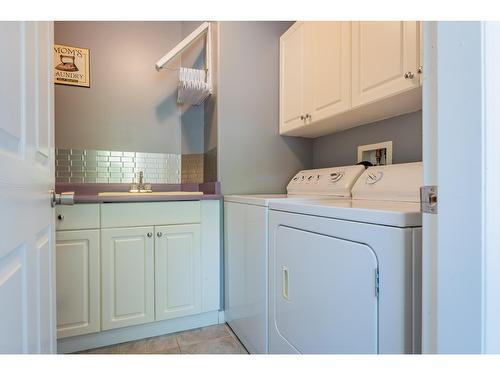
{"x": 192, "y": 117}
{"x": 253, "y": 157}
{"x": 210, "y": 105}
{"x": 210, "y": 164}
{"x": 129, "y": 106}
{"x": 340, "y": 148}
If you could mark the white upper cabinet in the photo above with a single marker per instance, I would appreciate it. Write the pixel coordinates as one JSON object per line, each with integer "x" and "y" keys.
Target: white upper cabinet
{"x": 337, "y": 75}
{"x": 328, "y": 69}
{"x": 292, "y": 70}
{"x": 315, "y": 73}
{"x": 385, "y": 59}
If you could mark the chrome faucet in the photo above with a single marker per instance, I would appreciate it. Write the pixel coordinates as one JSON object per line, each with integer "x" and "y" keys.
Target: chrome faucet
{"x": 141, "y": 187}
{"x": 141, "y": 180}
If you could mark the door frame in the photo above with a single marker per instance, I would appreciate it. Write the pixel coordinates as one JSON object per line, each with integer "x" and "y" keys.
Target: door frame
{"x": 461, "y": 244}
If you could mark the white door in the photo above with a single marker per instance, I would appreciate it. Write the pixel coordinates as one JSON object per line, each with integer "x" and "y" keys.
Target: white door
{"x": 382, "y": 52}
{"x": 312, "y": 314}
{"x": 292, "y": 77}
{"x": 328, "y": 69}
{"x": 78, "y": 291}
{"x": 177, "y": 271}
{"x": 127, "y": 276}
{"x": 27, "y": 261}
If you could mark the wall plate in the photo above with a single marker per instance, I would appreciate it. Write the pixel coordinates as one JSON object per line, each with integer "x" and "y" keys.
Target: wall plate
{"x": 376, "y": 153}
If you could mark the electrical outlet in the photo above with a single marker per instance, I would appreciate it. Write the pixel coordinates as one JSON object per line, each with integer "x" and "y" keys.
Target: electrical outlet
{"x": 377, "y": 153}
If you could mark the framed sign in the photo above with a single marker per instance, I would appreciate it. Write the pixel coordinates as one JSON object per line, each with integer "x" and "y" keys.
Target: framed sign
{"x": 71, "y": 65}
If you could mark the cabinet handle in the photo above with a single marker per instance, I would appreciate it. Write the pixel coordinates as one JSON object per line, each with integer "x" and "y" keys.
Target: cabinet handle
{"x": 150, "y": 234}
{"x": 302, "y": 117}
{"x": 308, "y": 116}
{"x": 159, "y": 234}
{"x": 409, "y": 75}
{"x": 60, "y": 217}
{"x": 66, "y": 198}
{"x": 420, "y": 69}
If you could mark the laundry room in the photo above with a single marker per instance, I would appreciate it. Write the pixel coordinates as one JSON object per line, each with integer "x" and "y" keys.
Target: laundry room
{"x": 160, "y": 150}
{"x": 248, "y": 187}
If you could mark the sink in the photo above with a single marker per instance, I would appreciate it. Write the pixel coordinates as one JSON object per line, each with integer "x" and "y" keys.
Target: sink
{"x": 155, "y": 193}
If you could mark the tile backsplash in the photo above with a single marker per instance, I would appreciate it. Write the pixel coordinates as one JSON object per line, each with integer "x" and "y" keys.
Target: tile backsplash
{"x": 95, "y": 166}
{"x": 192, "y": 169}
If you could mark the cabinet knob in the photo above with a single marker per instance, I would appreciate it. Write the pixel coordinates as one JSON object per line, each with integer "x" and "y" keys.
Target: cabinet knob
{"x": 150, "y": 234}
{"x": 308, "y": 116}
{"x": 159, "y": 234}
{"x": 420, "y": 69}
{"x": 409, "y": 75}
{"x": 60, "y": 217}
{"x": 302, "y": 117}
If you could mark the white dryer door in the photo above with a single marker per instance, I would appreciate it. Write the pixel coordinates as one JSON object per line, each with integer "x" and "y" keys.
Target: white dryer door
{"x": 325, "y": 293}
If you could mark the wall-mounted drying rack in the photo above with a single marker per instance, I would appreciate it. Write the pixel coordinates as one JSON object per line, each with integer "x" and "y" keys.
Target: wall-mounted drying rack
{"x": 195, "y": 85}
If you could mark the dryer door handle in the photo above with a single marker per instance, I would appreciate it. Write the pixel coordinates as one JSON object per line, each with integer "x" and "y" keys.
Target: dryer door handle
{"x": 285, "y": 283}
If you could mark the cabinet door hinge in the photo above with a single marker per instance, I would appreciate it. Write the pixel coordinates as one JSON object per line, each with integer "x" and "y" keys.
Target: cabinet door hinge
{"x": 429, "y": 199}
{"x": 377, "y": 283}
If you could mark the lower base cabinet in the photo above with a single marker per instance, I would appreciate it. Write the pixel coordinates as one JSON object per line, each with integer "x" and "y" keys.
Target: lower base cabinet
{"x": 77, "y": 283}
{"x": 150, "y": 273}
{"x": 177, "y": 271}
{"x": 127, "y": 276}
{"x": 159, "y": 261}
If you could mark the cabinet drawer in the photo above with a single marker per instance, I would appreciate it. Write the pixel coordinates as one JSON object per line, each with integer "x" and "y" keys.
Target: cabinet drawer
{"x": 80, "y": 216}
{"x": 115, "y": 215}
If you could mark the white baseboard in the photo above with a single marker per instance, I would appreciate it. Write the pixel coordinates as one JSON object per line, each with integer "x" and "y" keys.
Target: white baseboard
{"x": 116, "y": 336}
{"x": 222, "y": 318}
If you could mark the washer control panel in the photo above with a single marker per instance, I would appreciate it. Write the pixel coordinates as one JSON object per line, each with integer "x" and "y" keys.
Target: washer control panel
{"x": 395, "y": 182}
{"x": 335, "y": 181}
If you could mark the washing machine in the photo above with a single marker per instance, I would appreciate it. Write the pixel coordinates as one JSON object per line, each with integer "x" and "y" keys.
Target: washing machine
{"x": 345, "y": 275}
{"x": 246, "y": 248}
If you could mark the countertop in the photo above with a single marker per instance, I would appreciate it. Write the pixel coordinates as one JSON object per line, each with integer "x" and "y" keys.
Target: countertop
{"x": 89, "y": 193}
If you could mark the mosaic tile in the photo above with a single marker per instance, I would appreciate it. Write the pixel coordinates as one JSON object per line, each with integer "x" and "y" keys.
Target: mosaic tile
{"x": 117, "y": 166}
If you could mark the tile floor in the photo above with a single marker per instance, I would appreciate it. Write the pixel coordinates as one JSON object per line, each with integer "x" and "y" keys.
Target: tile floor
{"x": 216, "y": 339}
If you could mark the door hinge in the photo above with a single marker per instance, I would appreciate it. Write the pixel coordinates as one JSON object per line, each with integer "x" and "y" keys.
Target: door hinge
{"x": 429, "y": 199}
{"x": 377, "y": 283}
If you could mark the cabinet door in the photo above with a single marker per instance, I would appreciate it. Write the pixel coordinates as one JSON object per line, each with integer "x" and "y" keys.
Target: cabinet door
{"x": 177, "y": 271}
{"x": 77, "y": 259}
{"x": 382, "y": 52}
{"x": 328, "y": 69}
{"x": 127, "y": 276}
{"x": 292, "y": 84}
